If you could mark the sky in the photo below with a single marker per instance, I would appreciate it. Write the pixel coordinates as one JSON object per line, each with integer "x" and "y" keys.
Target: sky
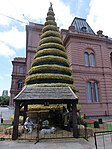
{"x": 16, "y": 14}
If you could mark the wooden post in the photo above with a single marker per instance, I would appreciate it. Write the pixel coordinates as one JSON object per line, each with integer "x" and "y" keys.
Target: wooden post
{"x": 24, "y": 113}
{"x": 16, "y": 121}
{"x": 74, "y": 119}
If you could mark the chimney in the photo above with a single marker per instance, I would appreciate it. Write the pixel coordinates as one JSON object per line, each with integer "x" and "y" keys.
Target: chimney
{"x": 100, "y": 33}
{"x": 72, "y": 28}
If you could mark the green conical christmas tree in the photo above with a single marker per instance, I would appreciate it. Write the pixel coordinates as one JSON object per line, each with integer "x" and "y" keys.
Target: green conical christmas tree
{"x": 50, "y": 66}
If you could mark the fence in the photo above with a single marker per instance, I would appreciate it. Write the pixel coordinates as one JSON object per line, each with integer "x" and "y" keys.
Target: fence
{"x": 103, "y": 140}
{"x": 36, "y": 134}
{"x": 102, "y": 132}
{"x": 58, "y": 133}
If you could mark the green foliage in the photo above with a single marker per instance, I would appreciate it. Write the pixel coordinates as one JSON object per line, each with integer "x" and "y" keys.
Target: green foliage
{"x": 49, "y": 27}
{"x": 50, "y": 66}
{"x": 50, "y": 13}
{"x": 51, "y": 39}
{"x": 51, "y": 45}
{"x": 50, "y": 17}
{"x": 4, "y": 100}
{"x": 50, "y": 22}
{"x": 50, "y": 60}
{"x": 78, "y": 107}
{"x": 37, "y": 77}
{"x": 50, "y": 51}
{"x": 41, "y": 68}
{"x": 50, "y": 33}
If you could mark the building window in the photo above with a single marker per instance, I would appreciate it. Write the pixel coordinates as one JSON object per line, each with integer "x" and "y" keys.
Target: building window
{"x": 20, "y": 84}
{"x": 92, "y": 61}
{"x": 20, "y": 69}
{"x": 86, "y": 59}
{"x": 95, "y": 91}
{"x": 89, "y": 92}
{"x": 89, "y": 58}
{"x": 83, "y": 29}
{"x": 111, "y": 59}
{"x": 92, "y": 91}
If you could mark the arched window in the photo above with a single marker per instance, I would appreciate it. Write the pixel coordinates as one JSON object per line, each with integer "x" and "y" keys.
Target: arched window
{"x": 89, "y": 91}
{"x": 92, "y": 91}
{"x": 86, "y": 59}
{"x": 92, "y": 60}
{"x": 20, "y": 84}
{"x": 95, "y": 91}
{"x": 89, "y": 58}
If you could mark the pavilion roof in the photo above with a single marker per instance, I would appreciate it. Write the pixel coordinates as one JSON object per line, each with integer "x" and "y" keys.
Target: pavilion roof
{"x": 46, "y": 93}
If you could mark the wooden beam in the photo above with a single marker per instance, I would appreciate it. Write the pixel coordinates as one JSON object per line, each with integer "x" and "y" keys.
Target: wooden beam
{"x": 16, "y": 121}
{"x": 74, "y": 120}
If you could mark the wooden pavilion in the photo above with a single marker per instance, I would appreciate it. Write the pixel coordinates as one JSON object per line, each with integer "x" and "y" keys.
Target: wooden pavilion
{"x": 44, "y": 95}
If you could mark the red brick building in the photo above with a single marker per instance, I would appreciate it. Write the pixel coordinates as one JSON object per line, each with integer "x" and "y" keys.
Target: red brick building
{"x": 90, "y": 57}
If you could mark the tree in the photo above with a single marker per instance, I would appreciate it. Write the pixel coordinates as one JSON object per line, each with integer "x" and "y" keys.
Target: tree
{"x": 4, "y": 100}
{"x": 50, "y": 66}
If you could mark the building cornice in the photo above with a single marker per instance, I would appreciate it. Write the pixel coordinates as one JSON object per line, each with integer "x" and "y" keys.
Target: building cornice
{"x": 34, "y": 27}
{"x": 15, "y": 75}
{"x": 86, "y": 36}
{"x": 19, "y": 60}
{"x": 91, "y": 72}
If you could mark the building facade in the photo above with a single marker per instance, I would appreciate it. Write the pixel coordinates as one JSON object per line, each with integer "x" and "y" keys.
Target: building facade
{"x": 90, "y": 58}
{"x": 5, "y": 93}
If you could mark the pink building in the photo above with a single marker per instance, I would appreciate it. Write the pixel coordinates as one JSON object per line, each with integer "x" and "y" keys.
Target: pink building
{"x": 90, "y": 57}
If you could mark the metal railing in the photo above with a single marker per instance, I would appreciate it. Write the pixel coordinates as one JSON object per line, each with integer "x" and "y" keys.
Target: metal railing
{"x": 61, "y": 132}
{"x": 102, "y": 129}
{"x": 103, "y": 139}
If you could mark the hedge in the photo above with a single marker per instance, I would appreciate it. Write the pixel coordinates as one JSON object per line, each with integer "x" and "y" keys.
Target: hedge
{"x": 50, "y": 66}
{"x": 37, "y": 69}
{"x": 50, "y": 39}
{"x": 51, "y": 45}
{"x": 50, "y": 51}
{"x": 50, "y": 22}
{"x": 50, "y": 17}
{"x": 49, "y": 27}
{"x": 41, "y": 78}
{"x": 50, "y": 13}
{"x": 50, "y": 60}
{"x": 50, "y": 33}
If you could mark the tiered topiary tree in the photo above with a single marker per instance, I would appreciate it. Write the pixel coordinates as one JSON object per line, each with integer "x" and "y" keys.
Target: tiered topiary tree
{"x": 50, "y": 66}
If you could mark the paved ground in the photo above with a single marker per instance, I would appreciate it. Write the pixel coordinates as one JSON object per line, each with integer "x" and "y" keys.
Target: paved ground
{"x": 53, "y": 144}
{"x": 65, "y": 144}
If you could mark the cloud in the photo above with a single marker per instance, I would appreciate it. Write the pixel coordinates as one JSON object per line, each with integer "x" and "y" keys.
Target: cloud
{"x": 99, "y": 16}
{"x": 13, "y": 38}
{"x": 1, "y": 78}
{"x": 6, "y": 51}
{"x": 35, "y": 10}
